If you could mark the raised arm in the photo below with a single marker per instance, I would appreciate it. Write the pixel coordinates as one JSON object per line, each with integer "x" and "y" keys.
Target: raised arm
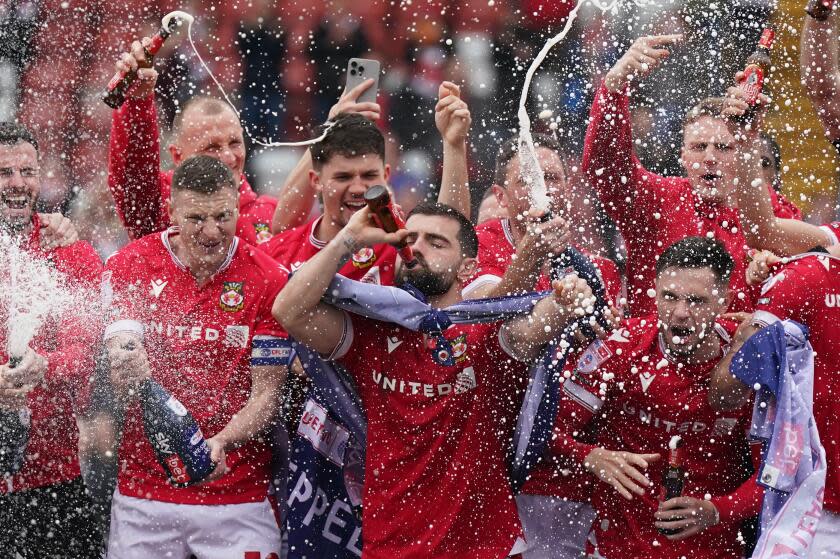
{"x": 134, "y": 152}
{"x": 298, "y": 307}
{"x": 452, "y": 118}
{"x": 818, "y": 65}
{"x": 526, "y": 336}
{"x": 524, "y": 270}
{"x": 762, "y": 229}
{"x": 609, "y": 160}
{"x": 294, "y": 203}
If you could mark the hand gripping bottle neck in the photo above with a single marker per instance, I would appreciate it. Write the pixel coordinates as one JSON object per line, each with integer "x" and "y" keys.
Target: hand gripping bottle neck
{"x": 175, "y": 436}
{"x": 119, "y": 85}
{"x": 388, "y": 219}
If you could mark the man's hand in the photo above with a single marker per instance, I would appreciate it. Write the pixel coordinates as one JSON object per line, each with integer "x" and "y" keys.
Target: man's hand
{"x": 736, "y": 105}
{"x": 622, "y": 470}
{"x": 644, "y": 55}
{"x": 129, "y": 364}
{"x": 16, "y": 383}
{"x": 452, "y": 116}
{"x": 135, "y": 60}
{"x": 687, "y": 514}
{"x": 219, "y": 457}
{"x": 349, "y": 103}
{"x": 361, "y": 231}
{"x": 543, "y": 238}
{"x": 573, "y": 296}
{"x": 758, "y": 269}
{"x": 56, "y": 231}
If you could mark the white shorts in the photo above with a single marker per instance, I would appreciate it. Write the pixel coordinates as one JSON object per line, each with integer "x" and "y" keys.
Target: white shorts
{"x": 827, "y": 538}
{"x": 554, "y": 528}
{"x": 141, "y": 529}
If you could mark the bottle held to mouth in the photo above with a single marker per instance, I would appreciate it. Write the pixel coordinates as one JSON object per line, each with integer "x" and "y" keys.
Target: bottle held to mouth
{"x": 673, "y": 478}
{"x": 175, "y": 436}
{"x": 388, "y": 219}
{"x": 819, "y": 9}
{"x": 755, "y": 72}
{"x": 119, "y": 85}
{"x": 14, "y": 434}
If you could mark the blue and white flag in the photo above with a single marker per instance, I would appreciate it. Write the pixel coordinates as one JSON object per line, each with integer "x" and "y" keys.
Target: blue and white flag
{"x": 780, "y": 361}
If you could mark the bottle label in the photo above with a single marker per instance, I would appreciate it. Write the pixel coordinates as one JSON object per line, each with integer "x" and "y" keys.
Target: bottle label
{"x": 767, "y": 37}
{"x": 753, "y": 83}
{"x": 115, "y": 81}
{"x": 176, "y": 406}
{"x": 177, "y": 470}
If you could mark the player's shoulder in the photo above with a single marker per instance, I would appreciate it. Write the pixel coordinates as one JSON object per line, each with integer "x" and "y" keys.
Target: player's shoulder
{"x": 810, "y": 268}
{"x": 491, "y": 227}
{"x": 288, "y": 242}
{"x": 260, "y": 263}
{"x": 80, "y": 252}
{"x": 148, "y": 246}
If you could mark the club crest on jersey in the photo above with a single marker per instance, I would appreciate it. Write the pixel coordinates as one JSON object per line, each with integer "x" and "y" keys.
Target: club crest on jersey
{"x": 364, "y": 258}
{"x": 263, "y": 232}
{"x": 459, "y": 348}
{"x": 233, "y": 296}
{"x": 596, "y": 354}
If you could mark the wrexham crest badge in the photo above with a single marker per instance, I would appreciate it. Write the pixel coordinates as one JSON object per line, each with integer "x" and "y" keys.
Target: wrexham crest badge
{"x": 233, "y": 296}
{"x": 364, "y": 258}
{"x": 263, "y": 232}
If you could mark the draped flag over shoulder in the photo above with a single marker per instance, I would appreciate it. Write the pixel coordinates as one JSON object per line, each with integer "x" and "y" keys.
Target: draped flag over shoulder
{"x": 333, "y": 390}
{"x": 780, "y": 360}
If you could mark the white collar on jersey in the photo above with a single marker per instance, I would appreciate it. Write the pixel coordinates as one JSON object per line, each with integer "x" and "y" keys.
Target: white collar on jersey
{"x": 313, "y": 240}
{"x": 164, "y": 237}
{"x": 719, "y": 330}
{"x": 507, "y": 231}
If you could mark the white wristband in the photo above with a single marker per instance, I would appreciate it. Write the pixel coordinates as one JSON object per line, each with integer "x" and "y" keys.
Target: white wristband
{"x": 123, "y": 326}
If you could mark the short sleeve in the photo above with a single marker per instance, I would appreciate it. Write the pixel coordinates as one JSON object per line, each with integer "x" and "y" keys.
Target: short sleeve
{"x": 784, "y": 295}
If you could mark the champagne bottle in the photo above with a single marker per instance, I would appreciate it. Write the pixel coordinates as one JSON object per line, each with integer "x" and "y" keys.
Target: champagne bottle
{"x": 175, "y": 436}
{"x": 755, "y": 72}
{"x": 116, "y": 89}
{"x": 14, "y": 434}
{"x": 388, "y": 218}
{"x": 673, "y": 478}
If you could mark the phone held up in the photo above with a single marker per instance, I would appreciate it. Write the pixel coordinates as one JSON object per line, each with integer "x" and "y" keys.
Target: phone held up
{"x": 359, "y": 70}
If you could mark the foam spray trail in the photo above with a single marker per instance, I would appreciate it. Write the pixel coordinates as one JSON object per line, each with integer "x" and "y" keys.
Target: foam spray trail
{"x": 529, "y": 166}
{"x": 189, "y": 19}
{"x": 35, "y": 291}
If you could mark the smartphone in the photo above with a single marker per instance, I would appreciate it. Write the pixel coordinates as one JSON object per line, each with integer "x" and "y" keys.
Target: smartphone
{"x": 359, "y": 70}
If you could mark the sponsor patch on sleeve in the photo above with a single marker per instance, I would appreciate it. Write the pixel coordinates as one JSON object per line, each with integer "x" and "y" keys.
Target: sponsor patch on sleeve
{"x": 270, "y": 351}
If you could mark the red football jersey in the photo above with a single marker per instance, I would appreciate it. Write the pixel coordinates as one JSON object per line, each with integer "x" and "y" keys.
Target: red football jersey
{"x": 807, "y": 290}
{"x": 436, "y": 478}
{"x": 53, "y": 447}
{"x": 652, "y": 211}
{"x": 496, "y": 249}
{"x": 294, "y": 247}
{"x": 141, "y": 190}
{"x": 199, "y": 341}
{"x": 833, "y": 231}
{"x": 641, "y": 400}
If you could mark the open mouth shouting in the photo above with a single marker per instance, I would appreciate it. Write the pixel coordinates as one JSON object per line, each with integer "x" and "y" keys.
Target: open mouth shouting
{"x": 353, "y": 205}
{"x": 680, "y": 333}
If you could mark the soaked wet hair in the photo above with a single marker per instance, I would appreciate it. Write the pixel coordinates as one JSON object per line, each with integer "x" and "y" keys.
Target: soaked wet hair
{"x": 509, "y": 149}
{"x": 697, "y": 253}
{"x": 203, "y": 174}
{"x": 12, "y": 133}
{"x": 710, "y": 106}
{"x": 351, "y": 135}
{"x": 466, "y": 231}
{"x": 207, "y": 106}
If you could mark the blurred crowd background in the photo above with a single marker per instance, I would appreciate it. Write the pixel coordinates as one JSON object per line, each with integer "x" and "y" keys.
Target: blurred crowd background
{"x": 283, "y": 62}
